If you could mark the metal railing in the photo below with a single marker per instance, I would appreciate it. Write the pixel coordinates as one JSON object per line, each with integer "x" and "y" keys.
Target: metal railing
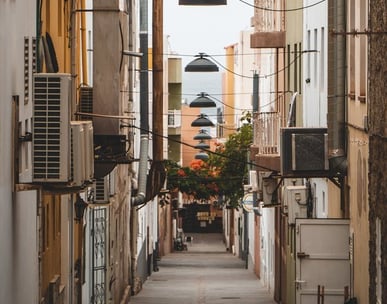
{"x": 267, "y": 132}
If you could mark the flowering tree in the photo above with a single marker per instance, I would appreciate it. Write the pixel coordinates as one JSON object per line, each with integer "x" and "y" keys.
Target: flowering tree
{"x": 222, "y": 175}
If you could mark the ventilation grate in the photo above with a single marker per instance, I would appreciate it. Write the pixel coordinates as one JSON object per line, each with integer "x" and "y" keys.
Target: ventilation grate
{"x": 50, "y": 128}
{"x": 85, "y": 101}
{"x": 101, "y": 190}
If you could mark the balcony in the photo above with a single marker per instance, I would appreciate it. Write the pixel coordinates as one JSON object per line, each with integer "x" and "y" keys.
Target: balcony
{"x": 266, "y": 143}
{"x": 174, "y": 122}
{"x": 275, "y": 39}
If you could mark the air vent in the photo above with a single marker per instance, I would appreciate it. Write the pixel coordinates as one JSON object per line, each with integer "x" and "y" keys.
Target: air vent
{"x": 304, "y": 152}
{"x": 101, "y": 191}
{"x": 85, "y": 101}
{"x": 51, "y": 127}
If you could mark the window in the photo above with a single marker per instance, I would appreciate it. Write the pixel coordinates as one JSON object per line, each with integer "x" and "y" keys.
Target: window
{"x": 296, "y": 56}
{"x": 322, "y": 60}
{"x": 363, "y": 50}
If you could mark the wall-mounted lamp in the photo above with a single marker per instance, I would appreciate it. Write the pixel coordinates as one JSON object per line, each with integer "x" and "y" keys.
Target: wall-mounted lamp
{"x": 202, "y": 121}
{"x": 201, "y": 64}
{"x": 80, "y": 205}
{"x": 202, "y": 101}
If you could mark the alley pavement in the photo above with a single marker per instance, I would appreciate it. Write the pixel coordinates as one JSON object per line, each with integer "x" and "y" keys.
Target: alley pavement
{"x": 203, "y": 274}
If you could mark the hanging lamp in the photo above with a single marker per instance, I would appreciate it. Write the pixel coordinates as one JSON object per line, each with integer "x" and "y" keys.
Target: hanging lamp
{"x": 201, "y": 64}
{"x": 202, "y": 121}
{"x": 201, "y": 155}
{"x": 202, "y": 101}
{"x": 202, "y": 2}
{"x": 202, "y": 135}
{"x": 202, "y": 145}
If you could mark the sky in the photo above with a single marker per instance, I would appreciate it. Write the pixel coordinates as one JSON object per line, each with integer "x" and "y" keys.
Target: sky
{"x": 206, "y": 29}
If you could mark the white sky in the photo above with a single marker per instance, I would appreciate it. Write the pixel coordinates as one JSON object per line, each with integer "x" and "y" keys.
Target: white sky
{"x": 205, "y": 29}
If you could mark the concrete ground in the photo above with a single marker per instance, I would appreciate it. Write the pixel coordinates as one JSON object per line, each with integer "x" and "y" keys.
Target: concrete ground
{"x": 204, "y": 274}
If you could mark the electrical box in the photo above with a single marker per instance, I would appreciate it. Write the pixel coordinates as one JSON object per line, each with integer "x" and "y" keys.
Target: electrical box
{"x": 295, "y": 202}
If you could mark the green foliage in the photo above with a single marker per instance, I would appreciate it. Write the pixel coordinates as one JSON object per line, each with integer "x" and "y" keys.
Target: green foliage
{"x": 222, "y": 175}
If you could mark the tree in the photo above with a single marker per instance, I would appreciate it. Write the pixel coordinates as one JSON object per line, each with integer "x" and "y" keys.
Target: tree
{"x": 222, "y": 175}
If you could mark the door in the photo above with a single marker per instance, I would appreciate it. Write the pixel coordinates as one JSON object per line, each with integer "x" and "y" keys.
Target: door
{"x": 322, "y": 249}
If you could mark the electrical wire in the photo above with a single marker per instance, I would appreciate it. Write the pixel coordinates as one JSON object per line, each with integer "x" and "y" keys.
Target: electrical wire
{"x": 170, "y": 138}
{"x": 281, "y": 10}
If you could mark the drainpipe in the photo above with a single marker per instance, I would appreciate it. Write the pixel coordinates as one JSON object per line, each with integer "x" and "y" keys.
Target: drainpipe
{"x": 144, "y": 106}
{"x": 336, "y": 88}
{"x": 139, "y": 199}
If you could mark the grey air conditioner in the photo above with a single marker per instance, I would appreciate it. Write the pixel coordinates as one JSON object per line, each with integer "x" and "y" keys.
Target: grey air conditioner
{"x": 304, "y": 152}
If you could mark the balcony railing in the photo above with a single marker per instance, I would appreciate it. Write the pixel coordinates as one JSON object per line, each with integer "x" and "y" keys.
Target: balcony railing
{"x": 267, "y": 132}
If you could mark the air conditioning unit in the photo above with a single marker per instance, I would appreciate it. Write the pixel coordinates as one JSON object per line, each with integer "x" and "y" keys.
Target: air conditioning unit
{"x": 89, "y": 149}
{"x": 295, "y": 202}
{"x": 266, "y": 187}
{"x": 77, "y": 153}
{"x": 101, "y": 190}
{"x": 51, "y": 128}
{"x": 304, "y": 152}
{"x": 253, "y": 180}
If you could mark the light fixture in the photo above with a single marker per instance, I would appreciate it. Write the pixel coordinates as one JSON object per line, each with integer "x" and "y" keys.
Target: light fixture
{"x": 202, "y": 145}
{"x": 202, "y": 135}
{"x": 201, "y": 64}
{"x": 202, "y": 2}
{"x": 202, "y": 121}
{"x": 201, "y": 155}
{"x": 202, "y": 102}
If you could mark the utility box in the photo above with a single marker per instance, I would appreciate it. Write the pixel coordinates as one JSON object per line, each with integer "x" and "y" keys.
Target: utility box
{"x": 295, "y": 202}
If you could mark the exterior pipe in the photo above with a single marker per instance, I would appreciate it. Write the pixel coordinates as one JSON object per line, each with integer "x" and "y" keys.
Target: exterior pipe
{"x": 144, "y": 107}
{"x": 336, "y": 88}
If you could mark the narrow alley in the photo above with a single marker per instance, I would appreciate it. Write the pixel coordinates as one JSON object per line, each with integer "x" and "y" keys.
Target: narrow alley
{"x": 204, "y": 274}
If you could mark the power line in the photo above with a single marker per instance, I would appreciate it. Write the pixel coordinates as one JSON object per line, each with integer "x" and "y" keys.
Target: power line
{"x": 169, "y": 138}
{"x": 281, "y": 10}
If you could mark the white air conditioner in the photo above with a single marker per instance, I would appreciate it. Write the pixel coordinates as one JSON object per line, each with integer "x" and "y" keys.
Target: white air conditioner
{"x": 77, "y": 153}
{"x": 101, "y": 190}
{"x": 89, "y": 150}
{"x": 253, "y": 180}
{"x": 295, "y": 201}
{"x": 51, "y": 128}
{"x": 266, "y": 187}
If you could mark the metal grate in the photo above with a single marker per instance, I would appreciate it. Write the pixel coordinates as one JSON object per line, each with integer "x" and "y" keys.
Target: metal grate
{"x": 98, "y": 249}
{"x": 85, "y": 101}
{"x": 26, "y": 69}
{"x": 101, "y": 195}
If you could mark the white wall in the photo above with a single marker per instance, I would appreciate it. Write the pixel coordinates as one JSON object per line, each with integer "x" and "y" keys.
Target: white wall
{"x": 244, "y": 65}
{"x": 267, "y": 248}
{"x": 315, "y": 91}
{"x": 18, "y": 227}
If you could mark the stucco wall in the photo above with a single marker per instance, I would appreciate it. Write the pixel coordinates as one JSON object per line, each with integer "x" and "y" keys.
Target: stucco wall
{"x": 377, "y": 72}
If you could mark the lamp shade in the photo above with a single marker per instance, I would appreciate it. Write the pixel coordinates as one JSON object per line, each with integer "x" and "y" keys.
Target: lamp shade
{"x": 202, "y": 145}
{"x": 202, "y": 135}
{"x": 202, "y": 2}
{"x": 201, "y": 64}
{"x": 202, "y": 121}
{"x": 202, "y": 101}
{"x": 201, "y": 155}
